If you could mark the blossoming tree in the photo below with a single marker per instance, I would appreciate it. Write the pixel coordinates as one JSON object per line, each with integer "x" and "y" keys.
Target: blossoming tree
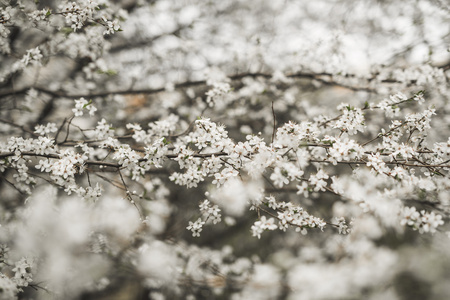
{"x": 224, "y": 149}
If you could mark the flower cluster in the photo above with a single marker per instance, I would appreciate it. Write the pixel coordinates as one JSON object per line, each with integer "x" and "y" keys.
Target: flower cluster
{"x": 317, "y": 180}
{"x": 215, "y": 94}
{"x": 104, "y": 131}
{"x": 39, "y": 15}
{"x": 442, "y": 149}
{"x": 292, "y": 135}
{"x": 22, "y": 272}
{"x": 344, "y": 150}
{"x": 343, "y": 226}
{"x": 291, "y": 215}
{"x": 210, "y": 134}
{"x": 82, "y": 104}
{"x": 210, "y": 213}
{"x": 45, "y": 129}
{"x": 422, "y": 221}
{"x": 288, "y": 214}
{"x": 68, "y": 164}
{"x": 420, "y": 121}
{"x": 32, "y": 56}
{"x": 390, "y": 105}
{"x": 263, "y": 224}
{"x": 77, "y": 15}
{"x": 375, "y": 161}
{"x": 111, "y": 26}
{"x": 196, "y": 227}
{"x": 351, "y": 120}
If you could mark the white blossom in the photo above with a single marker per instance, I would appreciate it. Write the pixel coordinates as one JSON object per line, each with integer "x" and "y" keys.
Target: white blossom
{"x": 22, "y": 272}
{"x": 83, "y": 104}
{"x": 196, "y": 227}
{"x": 264, "y": 224}
{"x": 422, "y": 221}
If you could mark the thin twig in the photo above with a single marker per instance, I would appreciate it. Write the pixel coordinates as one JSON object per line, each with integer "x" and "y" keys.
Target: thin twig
{"x": 23, "y": 128}
{"x": 274, "y": 124}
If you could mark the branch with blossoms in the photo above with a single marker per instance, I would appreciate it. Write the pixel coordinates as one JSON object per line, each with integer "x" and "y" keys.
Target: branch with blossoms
{"x": 72, "y": 20}
{"x": 290, "y": 138}
{"x": 323, "y": 78}
{"x": 207, "y": 151}
{"x": 77, "y": 16}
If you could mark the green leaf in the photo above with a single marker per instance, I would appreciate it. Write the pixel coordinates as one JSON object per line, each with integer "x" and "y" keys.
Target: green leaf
{"x": 66, "y": 30}
{"x": 109, "y": 72}
{"x": 87, "y": 104}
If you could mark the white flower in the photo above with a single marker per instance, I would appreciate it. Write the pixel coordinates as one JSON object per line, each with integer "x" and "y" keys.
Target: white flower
{"x": 22, "y": 272}
{"x": 210, "y": 213}
{"x": 336, "y": 185}
{"x": 318, "y": 180}
{"x": 343, "y": 227}
{"x": 39, "y": 15}
{"x": 345, "y": 150}
{"x": 45, "y": 129}
{"x": 351, "y": 121}
{"x": 111, "y": 26}
{"x": 103, "y": 130}
{"x": 217, "y": 93}
{"x": 224, "y": 176}
{"x": 423, "y": 221}
{"x": 196, "y": 227}
{"x": 263, "y": 224}
{"x": 420, "y": 121}
{"x": 303, "y": 188}
{"x": 278, "y": 178}
{"x": 375, "y": 161}
{"x": 32, "y": 55}
{"x": 81, "y": 104}
{"x": 271, "y": 202}
{"x": 419, "y": 97}
{"x": 291, "y": 135}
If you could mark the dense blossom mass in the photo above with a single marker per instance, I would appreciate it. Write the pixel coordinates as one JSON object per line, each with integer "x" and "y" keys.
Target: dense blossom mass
{"x": 224, "y": 150}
